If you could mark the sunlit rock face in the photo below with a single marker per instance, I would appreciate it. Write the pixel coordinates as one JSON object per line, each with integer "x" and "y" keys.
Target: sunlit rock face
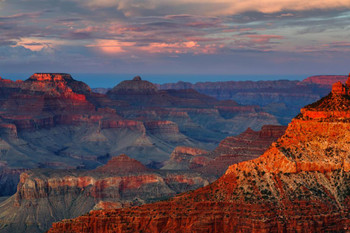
{"x": 300, "y": 184}
{"x": 44, "y": 196}
{"x": 248, "y": 145}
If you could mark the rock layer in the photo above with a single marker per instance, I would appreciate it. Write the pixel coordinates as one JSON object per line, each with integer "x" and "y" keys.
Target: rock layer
{"x": 51, "y": 120}
{"x": 282, "y": 98}
{"x": 44, "y": 196}
{"x": 300, "y": 184}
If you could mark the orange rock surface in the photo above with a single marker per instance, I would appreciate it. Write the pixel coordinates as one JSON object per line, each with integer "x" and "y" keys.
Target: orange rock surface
{"x": 300, "y": 184}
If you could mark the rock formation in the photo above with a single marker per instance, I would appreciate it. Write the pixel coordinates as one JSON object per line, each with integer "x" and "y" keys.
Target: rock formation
{"x": 44, "y": 196}
{"x": 325, "y": 80}
{"x": 122, "y": 164}
{"x": 246, "y": 146}
{"x": 282, "y": 98}
{"x": 52, "y": 105}
{"x": 51, "y": 120}
{"x": 300, "y": 184}
{"x": 181, "y": 158}
{"x": 136, "y": 86}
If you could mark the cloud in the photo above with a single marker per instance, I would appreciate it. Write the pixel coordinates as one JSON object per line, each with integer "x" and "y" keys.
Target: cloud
{"x": 138, "y": 32}
{"x": 115, "y": 47}
{"x": 111, "y": 46}
{"x": 262, "y": 39}
{"x": 217, "y": 7}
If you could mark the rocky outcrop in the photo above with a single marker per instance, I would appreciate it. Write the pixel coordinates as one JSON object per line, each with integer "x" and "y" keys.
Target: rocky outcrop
{"x": 57, "y": 83}
{"x": 300, "y": 184}
{"x": 44, "y": 196}
{"x": 181, "y": 157}
{"x": 45, "y": 100}
{"x": 136, "y": 86}
{"x": 246, "y": 146}
{"x": 334, "y": 106}
{"x": 122, "y": 164}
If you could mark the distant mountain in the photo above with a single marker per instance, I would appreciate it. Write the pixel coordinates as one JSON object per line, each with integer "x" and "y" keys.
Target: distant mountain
{"x": 282, "y": 98}
{"x": 300, "y": 184}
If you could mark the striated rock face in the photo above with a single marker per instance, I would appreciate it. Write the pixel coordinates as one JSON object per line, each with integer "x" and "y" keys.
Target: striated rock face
{"x": 300, "y": 184}
{"x": 44, "y": 101}
{"x": 51, "y": 120}
{"x": 181, "y": 157}
{"x": 253, "y": 93}
{"x": 246, "y": 146}
{"x": 51, "y": 116}
{"x": 282, "y": 98}
{"x": 325, "y": 80}
{"x": 197, "y": 116}
{"x": 162, "y": 127}
{"x": 44, "y": 196}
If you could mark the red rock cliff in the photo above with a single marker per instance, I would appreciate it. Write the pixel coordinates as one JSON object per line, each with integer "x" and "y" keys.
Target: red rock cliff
{"x": 300, "y": 184}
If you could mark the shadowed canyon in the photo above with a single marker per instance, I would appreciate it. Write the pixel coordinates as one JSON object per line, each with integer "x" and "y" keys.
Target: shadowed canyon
{"x": 67, "y": 150}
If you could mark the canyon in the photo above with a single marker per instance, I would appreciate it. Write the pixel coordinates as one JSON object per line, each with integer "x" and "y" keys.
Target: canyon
{"x": 44, "y": 195}
{"x": 281, "y": 98}
{"x": 57, "y": 136}
{"x": 56, "y": 133}
{"x": 234, "y": 149}
{"x": 54, "y": 116}
{"x": 51, "y": 195}
{"x": 300, "y": 184}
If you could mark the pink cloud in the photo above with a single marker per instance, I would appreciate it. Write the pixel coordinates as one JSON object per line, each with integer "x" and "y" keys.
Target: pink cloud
{"x": 111, "y": 46}
{"x": 176, "y": 48}
{"x": 263, "y": 39}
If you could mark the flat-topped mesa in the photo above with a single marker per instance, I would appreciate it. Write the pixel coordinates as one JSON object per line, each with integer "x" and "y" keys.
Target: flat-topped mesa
{"x": 134, "y": 86}
{"x": 50, "y": 77}
{"x": 56, "y": 84}
{"x": 122, "y": 164}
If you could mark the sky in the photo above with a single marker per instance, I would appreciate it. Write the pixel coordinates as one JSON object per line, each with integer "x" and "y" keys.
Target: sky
{"x": 167, "y": 38}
